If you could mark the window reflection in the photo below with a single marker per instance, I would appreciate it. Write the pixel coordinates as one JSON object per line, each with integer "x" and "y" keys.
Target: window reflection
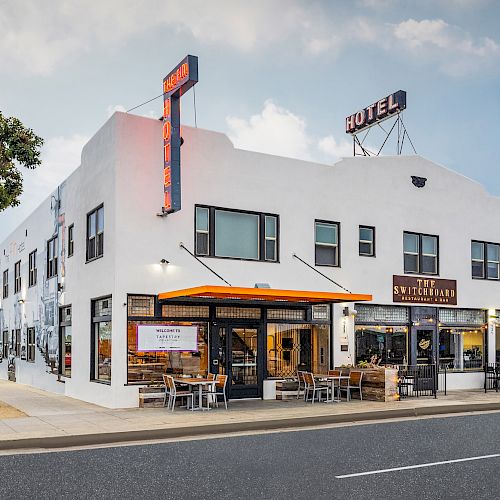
{"x": 150, "y": 366}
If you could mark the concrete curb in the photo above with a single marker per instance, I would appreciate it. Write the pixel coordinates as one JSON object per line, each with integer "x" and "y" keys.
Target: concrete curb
{"x": 61, "y": 442}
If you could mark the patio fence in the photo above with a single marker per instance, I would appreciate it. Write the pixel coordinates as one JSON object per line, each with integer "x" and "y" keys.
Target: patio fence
{"x": 418, "y": 380}
{"x": 491, "y": 377}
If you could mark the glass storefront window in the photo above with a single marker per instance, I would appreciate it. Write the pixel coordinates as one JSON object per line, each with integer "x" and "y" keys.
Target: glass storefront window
{"x": 148, "y": 367}
{"x": 292, "y": 347}
{"x": 461, "y": 348}
{"x": 103, "y": 351}
{"x": 387, "y": 342}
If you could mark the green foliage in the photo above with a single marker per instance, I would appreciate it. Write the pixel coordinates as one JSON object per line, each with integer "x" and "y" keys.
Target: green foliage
{"x": 19, "y": 146}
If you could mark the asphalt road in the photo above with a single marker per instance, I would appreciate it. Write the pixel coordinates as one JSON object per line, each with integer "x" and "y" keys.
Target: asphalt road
{"x": 288, "y": 465}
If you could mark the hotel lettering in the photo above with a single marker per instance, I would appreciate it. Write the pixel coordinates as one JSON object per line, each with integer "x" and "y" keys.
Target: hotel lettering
{"x": 175, "y": 84}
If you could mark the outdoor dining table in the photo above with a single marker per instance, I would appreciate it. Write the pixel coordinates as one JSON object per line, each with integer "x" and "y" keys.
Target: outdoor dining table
{"x": 197, "y": 382}
{"x": 332, "y": 379}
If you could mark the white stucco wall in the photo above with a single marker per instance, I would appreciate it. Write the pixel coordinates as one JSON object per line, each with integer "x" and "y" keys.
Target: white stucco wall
{"x": 122, "y": 168}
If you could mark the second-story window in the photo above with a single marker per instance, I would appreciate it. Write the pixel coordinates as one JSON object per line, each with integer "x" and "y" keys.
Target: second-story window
{"x": 52, "y": 257}
{"x": 71, "y": 242}
{"x": 17, "y": 277}
{"x": 485, "y": 260}
{"x": 95, "y": 233}
{"x": 420, "y": 253}
{"x": 327, "y": 243}
{"x": 32, "y": 270}
{"x": 367, "y": 241}
{"x": 236, "y": 234}
{"x": 5, "y": 284}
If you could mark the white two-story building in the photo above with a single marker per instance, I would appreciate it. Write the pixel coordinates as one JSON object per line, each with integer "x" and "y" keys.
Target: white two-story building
{"x": 408, "y": 254}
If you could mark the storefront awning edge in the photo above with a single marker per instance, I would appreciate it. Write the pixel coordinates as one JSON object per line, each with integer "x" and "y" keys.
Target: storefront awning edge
{"x": 263, "y": 294}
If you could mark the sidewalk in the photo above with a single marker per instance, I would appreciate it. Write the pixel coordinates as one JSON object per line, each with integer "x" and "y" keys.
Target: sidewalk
{"x": 31, "y": 418}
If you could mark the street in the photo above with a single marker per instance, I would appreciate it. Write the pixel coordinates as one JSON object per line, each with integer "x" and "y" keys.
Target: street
{"x": 300, "y": 464}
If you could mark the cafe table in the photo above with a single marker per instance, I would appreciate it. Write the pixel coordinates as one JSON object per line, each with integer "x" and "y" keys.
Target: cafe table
{"x": 331, "y": 379}
{"x": 196, "y": 382}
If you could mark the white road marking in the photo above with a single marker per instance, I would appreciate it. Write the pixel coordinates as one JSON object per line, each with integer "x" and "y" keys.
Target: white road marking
{"x": 418, "y": 466}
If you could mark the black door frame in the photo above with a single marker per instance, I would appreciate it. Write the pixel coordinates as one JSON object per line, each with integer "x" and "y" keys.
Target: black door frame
{"x": 222, "y": 355}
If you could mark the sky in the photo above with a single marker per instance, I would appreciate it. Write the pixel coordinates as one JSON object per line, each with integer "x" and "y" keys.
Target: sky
{"x": 277, "y": 76}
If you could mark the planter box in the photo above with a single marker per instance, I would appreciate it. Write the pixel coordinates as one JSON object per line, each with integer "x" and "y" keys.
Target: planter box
{"x": 377, "y": 384}
{"x": 287, "y": 389}
{"x": 151, "y": 397}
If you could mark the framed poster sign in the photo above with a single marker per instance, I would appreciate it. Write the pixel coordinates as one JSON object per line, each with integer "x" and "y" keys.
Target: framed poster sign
{"x": 160, "y": 338}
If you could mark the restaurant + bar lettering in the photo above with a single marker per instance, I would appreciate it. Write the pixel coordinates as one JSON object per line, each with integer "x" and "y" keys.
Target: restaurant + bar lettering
{"x": 424, "y": 290}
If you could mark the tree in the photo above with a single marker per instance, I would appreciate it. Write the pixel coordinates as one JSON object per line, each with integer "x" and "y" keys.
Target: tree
{"x": 19, "y": 146}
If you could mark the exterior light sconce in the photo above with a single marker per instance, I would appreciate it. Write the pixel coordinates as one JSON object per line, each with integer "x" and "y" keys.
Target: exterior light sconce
{"x": 21, "y": 301}
{"x": 164, "y": 261}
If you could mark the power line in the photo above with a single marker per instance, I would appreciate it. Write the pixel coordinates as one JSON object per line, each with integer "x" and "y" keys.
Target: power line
{"x": 139, "y": 105}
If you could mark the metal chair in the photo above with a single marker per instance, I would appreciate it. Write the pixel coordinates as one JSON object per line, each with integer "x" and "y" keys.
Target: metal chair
{"x": 218, "y": 389}
{"x": 172, "y": 393}
{"x": 301, "y": 384}
{"x": 354, "y": 383}
{"x": 335, "y": 383}
{"x": 312, "y": 387}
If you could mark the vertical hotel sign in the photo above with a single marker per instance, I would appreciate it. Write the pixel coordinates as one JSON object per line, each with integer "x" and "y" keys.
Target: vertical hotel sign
{"x": 175, "y": 84}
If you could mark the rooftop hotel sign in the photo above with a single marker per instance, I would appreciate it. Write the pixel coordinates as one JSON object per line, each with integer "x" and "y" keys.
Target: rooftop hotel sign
{"x": 376, "y": 112}
{"x": 424, "y": 290}
{"x": 175, "y": 84}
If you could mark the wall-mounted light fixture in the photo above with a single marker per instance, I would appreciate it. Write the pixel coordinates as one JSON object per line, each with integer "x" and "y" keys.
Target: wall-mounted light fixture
{"x": 164, "y": 261}
{"x": 21, "y": 301}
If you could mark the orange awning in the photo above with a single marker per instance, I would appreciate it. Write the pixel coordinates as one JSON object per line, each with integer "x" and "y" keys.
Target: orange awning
{"x": 263, "y": 294}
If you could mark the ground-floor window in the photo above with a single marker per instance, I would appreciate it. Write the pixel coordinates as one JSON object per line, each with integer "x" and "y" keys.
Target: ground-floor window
{"x": 5, "y": 344}
{"x": 388, "y": 343}
{"x": 101, "y": 339}
{"x": 65, "y": 338}
{"x": 17, "y": 342}
{"x": 461, "y": 348}
{"x": 292, "y": 347}
{"x": 149, "y": 366}
{"x": 30, "y": 352}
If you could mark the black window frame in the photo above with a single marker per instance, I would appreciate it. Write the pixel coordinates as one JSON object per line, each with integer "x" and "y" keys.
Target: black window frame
{"x": 5, "y": 283}
{"x": 94, "y": 320}
{"x": 17, "y": 277}
{"x": 484, "y": 261}
{"x": 98, "y": 242}
{"x": 420, "y": 254}
{"x": 372, "y": 229}
{"x": 71, "y": 240}
{"x": 64, "y": 322}
{"x": 262, "y": 234}
{"x": 52, "y": 263}
{"x": 5, "y": 343}
{"x": 32, "y": 269}
{"x": 17, "y": 342}
{"x": 30, "y": 344}
{"x": 316, "y": 244}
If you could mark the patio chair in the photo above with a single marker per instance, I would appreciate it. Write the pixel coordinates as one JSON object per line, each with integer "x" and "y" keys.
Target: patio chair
{"x": 354, "y": 383}
{"x": 217, "y": 390}
{"x": 301, "y": 384}
{"x": 312, "y": 388}
{"x": 211, "y": 376}
{"x": 173, "y": 393}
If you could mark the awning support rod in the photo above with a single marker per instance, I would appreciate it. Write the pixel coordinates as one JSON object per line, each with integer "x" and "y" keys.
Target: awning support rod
{"x": 203, "y": 264}
{"x": 320, "y": 273}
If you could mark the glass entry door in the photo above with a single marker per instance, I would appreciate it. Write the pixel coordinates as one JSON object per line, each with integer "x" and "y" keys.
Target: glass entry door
{"x": 426, "y": 349}
{"x": 240, "y": 357}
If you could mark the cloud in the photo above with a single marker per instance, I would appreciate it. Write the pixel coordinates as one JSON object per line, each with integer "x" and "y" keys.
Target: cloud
{"x": 278, "y": 131}
{"x": 275, "y": 131}
{"x": 456, "y": 51}
{"x": 60, "y": 156}
{"x": 37, "y": 38}
{"x": 334, "y": 149}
